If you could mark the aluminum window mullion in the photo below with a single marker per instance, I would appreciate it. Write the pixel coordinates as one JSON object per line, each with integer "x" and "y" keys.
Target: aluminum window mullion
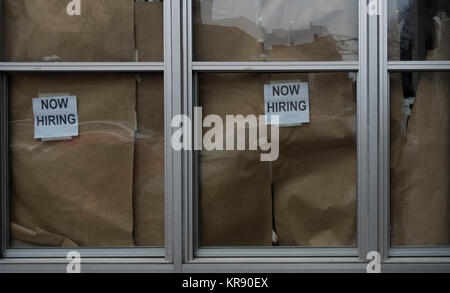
{"x": 384, "y": 144}
{"x": 191, "y": 165}
{"x": 438, "y": 251}
{"x": 404, "y": 66}
{"x": 104, "y": 252}
{"x": 176, "y": 163}
{"x": 190, "y": 98}
{"x": 88, "y": 266}
{"x": 4, "y": 181}
{"x": 291, "y": 265}
{"x": 294, "y": 265}
{"x": 82, "y": 66}
{"x": 196, "y": 177}
{"x": 272, "y": 252}
{"x": 168, "y": 156}
{"x": 1, "y": 38}
{"x": 372, "y": 143}
{"x": 332, "y": 66}
{"x": 362, "y": 136}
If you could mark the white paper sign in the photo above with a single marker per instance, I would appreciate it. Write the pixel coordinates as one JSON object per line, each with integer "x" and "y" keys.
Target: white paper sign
{"x": 290, "y": 101}
{"x": 55, "y": 117}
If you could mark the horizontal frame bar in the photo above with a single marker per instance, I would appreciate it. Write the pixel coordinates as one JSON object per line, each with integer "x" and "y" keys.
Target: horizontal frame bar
{"x": 82, "y": 66}
{"x": 134, "y": 266}
{"x": 440, "y": 251}
{"x": 399, "y": 66}
{"x": 86, "y": 252}
{"x": 110, "y": 266}
{"x": 330, "y": 267}
{"x": 277, "y": 266}
{"x": 277, "y": 252}
{"x": 275, "y": 66}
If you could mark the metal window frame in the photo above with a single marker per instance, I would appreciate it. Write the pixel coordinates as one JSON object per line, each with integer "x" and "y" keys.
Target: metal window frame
{"x": 180, "y": 167}
{"x": 391, "y": 254}
{"x": 153, "y": 258}
{"x": 196, "y": 255}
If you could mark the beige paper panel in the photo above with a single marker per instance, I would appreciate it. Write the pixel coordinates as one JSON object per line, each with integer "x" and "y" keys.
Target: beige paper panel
{"x": 148, "y": 179}
{"x": 42, "y": 31}
{"x": 78, "y": 191}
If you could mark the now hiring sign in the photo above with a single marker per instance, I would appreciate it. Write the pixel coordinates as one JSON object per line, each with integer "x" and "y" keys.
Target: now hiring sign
{"x": 55, "y": 117}
{"x": 289, "y": 101}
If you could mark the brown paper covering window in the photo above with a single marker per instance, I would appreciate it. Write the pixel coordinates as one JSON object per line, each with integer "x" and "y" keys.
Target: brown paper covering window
{"x": 420, "y": 210}
{"x": 102, "y": 188}
{"x": 106, "y": 31}
{"x": 79, "y": 188}
{"x": 309, "y": 192}
{"x": 235, "y": 196}
{"x": 419, "y": 167}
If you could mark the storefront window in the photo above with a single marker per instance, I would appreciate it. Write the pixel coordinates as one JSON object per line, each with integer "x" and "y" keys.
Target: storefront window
{"x": 115, "y": 143}
{"x": 103, "y": 187}
{"x": 275, "y": 30}
{"x": 420, "y": 159}
{"x": 307, "y": 196}
{"x": 94, "y": 31}
{"x": 418, "y": 30}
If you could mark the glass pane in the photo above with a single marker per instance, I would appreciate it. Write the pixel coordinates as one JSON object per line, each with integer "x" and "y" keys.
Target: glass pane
{"x": 307, "y": 196}
{"x": 275, "y": 30}
{"x": 418, "y": 30}
{"x": 103, "y": 187}
{"x": 420, "y": 159}
{"x": 95, "y": 31}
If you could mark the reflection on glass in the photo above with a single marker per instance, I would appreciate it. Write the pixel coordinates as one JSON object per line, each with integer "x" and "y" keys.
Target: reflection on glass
{"x": 101, "y": 188}
{"x": 418, "y": 30}
{"x": 307, "y": 197}
{"x": 275, "y": 30}
{"x": 104, "y": 31}
{"x": 420, "y": 159}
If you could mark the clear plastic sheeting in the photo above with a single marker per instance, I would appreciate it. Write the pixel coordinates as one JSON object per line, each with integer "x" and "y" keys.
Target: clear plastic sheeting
{"x": 307, "y": 197}
{"x": 104, "y": 31}
{"x": 90, "y": 190}
{"x": 275, "y": 30}
{"x": 417, "y": 27}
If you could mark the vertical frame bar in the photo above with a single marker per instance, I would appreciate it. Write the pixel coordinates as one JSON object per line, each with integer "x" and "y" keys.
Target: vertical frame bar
{"x": 178, "y": 183}
{"x": 168, "y": 156}
{"x": 196, "y": 178}
{"x": 372, "y": 96}
{"x": 384, "y": 145}
{"x": 4, "y": 180}
{"x": 362, "y": 135}
{"x": 1, "y": 31}
{"x": 190, "y": 208}
{"x": 4, "y": 166}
